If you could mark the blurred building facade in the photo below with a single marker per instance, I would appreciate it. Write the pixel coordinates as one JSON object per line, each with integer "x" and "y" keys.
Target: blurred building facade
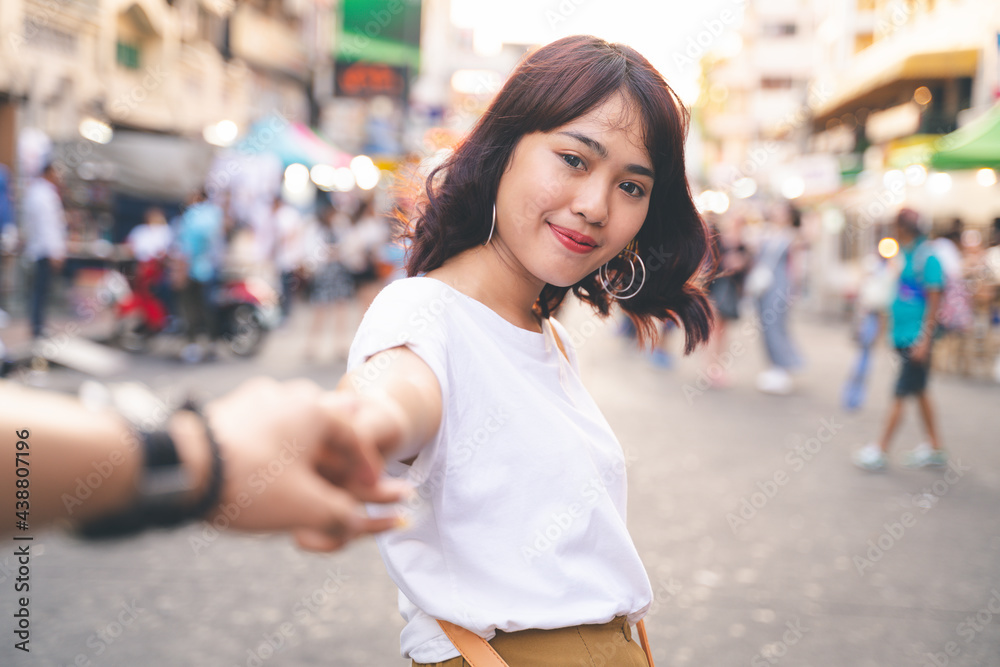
{"x": 89, "y": 69}
{"x": 840, "y": 107}
{"x": 132, "y": 98}
{"x": 902, "y": 74}
{"x": 755, "y": 92}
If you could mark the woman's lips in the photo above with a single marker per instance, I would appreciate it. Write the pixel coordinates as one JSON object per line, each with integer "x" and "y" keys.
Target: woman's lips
{"x": 574, "y": 241}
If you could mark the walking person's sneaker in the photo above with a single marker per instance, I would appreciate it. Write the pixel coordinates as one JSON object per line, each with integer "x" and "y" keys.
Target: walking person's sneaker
{"x": 870, "y": 457}
{"x": 925, "y": 456}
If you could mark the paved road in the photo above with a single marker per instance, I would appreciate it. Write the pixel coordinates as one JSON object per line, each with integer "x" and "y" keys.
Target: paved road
{"x": 764, "y": 545}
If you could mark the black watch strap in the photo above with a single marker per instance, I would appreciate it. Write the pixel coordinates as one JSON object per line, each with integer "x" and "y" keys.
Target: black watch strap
{"x": 164, "y": 488}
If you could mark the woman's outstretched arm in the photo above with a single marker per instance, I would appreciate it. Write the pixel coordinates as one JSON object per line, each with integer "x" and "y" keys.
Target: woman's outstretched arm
{"x": 400, "y": 401}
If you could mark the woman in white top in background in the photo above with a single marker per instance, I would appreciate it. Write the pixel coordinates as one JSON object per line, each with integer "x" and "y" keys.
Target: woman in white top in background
{"x": 516, "y": 532}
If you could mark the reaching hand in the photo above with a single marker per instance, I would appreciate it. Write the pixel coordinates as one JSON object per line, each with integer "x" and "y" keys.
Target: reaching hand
{"x": 298, "y": 459}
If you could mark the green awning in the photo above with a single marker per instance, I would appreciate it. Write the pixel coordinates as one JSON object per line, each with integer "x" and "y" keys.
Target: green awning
{"x": 975, "y": 146}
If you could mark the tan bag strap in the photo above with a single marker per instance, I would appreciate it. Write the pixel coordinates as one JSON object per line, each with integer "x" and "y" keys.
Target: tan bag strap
{"x": 559, "y": 343}
{"x": 644, "y": 641}
{"x": 476, "y": 650}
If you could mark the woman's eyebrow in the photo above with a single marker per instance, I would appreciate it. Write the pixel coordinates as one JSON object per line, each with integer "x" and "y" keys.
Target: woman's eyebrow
{"x": 592, "y": 144}
{"x": 639, "y": 170}
{"x": 602, "y": 152}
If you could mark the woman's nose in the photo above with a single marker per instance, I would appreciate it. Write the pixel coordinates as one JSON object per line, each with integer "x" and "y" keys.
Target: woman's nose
{"x": 591, "y": 203}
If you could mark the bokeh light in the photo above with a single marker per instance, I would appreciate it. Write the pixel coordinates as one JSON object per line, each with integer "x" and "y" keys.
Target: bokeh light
{"x": 296, "y": 177}
{"x": 939, "y": 183}
{"x": 986, "y": 177}
{"x": 324, "y": 176}
{"x": 95, "y": 130}
{"x": 365, "y": 172}
{"x": 888, "y": 248}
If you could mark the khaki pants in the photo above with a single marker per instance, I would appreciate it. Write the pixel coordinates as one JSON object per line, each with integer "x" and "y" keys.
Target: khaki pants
{"x": 578, "y": 646}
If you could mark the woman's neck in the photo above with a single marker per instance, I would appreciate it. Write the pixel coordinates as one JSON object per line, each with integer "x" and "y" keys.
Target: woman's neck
{"x": 502, "y": 284}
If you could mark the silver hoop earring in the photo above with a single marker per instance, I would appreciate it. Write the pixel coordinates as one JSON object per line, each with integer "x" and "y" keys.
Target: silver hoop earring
{"x": 614, "y": 286}
{"x": 492, "y": 226}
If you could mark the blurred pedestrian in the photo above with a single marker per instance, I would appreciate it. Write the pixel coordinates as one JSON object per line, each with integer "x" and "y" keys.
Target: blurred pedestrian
{"x": 45, "y": 229}
{"x": 7, "y": 221}
{"x": 770, "y": 282}
{"x": 661, "y": 354}
{"x": 150, "y": 244}
{"x": 954, "y": 316}
{"x": 332, "y": 285}
{"x": 948, "y": 249}
{"x": 878, "y": 284}
{"x": 261, "y": 222}
{"x": 991, "y": 262}
{"x": 913, "y": 323}
{"x": 518, "y": 538}
{"x": 152, "y": 239}
{"x": 360, "y": 251}
{"x": 289, "y": 250}
{"x": 726, "y": 291}
{"x": 392, "y": 256}
{"x": 992, "y": 259}
{"x": 201, "y": 244}
{"x": 8, "y": 241}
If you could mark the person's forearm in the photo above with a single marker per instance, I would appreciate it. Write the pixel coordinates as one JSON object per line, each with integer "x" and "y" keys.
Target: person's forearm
{"x": 81, "y": 464}
{"x": 930, "y": 322}
{"x": 400, "y": 401}
{"x": 84, "y": 465}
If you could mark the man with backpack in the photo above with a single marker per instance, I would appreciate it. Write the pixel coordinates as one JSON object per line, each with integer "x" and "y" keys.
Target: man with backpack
{"x": 955, "y": 312}
{"x": 913, "y": 321}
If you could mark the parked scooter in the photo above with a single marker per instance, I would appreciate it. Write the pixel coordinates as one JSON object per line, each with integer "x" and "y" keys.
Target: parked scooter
{"x": 246, "y": 309}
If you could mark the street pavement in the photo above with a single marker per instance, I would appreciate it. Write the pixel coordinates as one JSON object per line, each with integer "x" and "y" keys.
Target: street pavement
{"x": 763, "y": 544}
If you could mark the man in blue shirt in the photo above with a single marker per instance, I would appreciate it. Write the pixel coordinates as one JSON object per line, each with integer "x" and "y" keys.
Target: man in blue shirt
{"x": 913, "y": 321}
{"x": 200, "y": 239}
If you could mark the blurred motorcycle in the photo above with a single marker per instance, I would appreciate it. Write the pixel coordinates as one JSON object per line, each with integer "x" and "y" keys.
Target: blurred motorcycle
{"x": 245, "y": 310}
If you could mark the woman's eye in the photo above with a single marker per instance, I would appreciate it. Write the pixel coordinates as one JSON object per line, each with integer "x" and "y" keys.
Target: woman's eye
{"x": 632, "y": 189}
{"x": 572, "y": 160}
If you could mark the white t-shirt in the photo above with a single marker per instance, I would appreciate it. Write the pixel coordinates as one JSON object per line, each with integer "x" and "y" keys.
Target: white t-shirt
{"x": 291, "y": 228}
{"x": 519, "y": 517}
{"x": 950, "y": 257}
{"x": 150, "y": 241}
{"x": 45, "y": 221}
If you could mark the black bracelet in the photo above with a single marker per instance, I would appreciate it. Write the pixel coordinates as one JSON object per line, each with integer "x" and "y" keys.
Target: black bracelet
{"x": 163, "y": 488}
{"x": 214, "y": 489}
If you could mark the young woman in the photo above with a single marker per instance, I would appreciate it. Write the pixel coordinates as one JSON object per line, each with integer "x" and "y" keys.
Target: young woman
{"x": 573, "y": 179}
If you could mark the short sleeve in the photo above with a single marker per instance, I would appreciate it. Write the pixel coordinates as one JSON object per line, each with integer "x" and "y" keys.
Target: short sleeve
{"x": 411, "y": 312}
{"x": 933, "y": 274}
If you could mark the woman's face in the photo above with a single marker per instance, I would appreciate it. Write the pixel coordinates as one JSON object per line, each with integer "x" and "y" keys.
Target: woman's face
{"x": 574, "y": 197}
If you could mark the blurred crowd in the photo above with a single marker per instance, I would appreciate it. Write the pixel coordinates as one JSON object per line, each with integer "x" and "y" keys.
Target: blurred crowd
{"x": 179, "y": 275}
{"x": 338, "y": 258}
{"x": 182, "y": 273}
{"x": 761, "y": 271}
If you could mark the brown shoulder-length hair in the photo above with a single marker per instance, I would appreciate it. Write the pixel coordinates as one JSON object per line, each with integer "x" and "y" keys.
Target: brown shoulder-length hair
{"x": 551, "y": 87}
